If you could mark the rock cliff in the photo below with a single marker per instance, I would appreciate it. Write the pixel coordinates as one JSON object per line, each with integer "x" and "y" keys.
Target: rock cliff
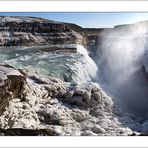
{"x": 29, "y": 31}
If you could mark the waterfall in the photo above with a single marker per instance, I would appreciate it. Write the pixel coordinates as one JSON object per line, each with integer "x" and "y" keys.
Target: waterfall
{"x": 82, "y": 50}
{"x": 121, "y": 71}
{"x": 85, "y": 68}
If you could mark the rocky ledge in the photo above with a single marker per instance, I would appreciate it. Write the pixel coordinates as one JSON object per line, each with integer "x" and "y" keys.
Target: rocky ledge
{"x": 32, "y": 104}
{"x": 32, "y": 31}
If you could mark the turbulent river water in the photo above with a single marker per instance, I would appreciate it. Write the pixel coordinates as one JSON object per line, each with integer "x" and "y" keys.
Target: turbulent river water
{"x": 75, "y": 68}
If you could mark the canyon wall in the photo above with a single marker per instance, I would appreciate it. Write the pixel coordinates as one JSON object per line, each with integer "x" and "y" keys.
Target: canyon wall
{"x": 29, "y": 31}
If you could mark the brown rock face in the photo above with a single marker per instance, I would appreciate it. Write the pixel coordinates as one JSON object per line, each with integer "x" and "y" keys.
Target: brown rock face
{"x": 11, "y": 85}
{"x": 29, "y": 31}
{"x": 26, "y": 132}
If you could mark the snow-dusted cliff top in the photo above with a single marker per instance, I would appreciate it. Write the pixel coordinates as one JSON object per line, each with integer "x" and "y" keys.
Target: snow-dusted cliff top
{"x": 31, "y": 31}
{"x": 20, "y": 19}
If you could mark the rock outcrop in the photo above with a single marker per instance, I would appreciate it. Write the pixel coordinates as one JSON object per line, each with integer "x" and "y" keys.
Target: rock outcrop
{"x": 11, "y": 85}
{"x": 29, "y": 31}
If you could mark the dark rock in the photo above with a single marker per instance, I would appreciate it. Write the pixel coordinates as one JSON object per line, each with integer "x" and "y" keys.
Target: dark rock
{"x": 31, "y": 31}
{"x": 11, "y": 85}
{"x": 26, "y": 132}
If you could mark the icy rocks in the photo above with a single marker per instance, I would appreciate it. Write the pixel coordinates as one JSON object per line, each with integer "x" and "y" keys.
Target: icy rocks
{"x": 11, "y": 85}
{"x": 79, "y": 115}
{"x": 88, "y": 133}
{"x": 86, "y": 95}
{"x": 97, "y": 96}
{"x": 98, "y": 129}
{"x": 39, "y": 105}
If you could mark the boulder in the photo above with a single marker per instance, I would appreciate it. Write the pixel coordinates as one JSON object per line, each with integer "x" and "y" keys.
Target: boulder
{"x": 85, "y": 95}
{"x": 12, "y": 83}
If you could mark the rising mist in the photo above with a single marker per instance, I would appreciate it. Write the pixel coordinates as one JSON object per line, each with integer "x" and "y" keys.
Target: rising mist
{"x": 121, "y": 70}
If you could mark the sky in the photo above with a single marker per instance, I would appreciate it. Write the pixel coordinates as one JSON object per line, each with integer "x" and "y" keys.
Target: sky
{"x": 95, "y": 20}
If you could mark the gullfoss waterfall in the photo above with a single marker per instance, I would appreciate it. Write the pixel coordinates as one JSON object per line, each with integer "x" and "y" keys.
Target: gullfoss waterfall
{"x": 71, "y": 80}
{"x": 121, "y": 67}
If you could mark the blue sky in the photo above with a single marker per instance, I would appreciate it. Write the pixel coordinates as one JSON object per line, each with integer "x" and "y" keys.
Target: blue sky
{"x": 87, "y": 19}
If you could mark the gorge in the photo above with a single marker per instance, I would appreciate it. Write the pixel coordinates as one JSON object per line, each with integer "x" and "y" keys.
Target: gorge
{"x": 61, "y": 79}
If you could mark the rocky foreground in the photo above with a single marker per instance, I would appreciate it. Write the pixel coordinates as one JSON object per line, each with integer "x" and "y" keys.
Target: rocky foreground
{"x": 32, "y": 104}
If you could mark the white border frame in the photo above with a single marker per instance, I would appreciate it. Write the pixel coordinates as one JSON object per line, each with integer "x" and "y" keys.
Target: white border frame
{"x": 72, "y": 142}
{"x": 74, "y": 6}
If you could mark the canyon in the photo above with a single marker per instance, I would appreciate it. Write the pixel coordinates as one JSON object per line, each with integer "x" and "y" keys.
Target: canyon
{"x": 60, "y": 79}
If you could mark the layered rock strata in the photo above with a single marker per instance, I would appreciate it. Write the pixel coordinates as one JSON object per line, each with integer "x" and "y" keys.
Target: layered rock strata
{"x": 30, "y": 31}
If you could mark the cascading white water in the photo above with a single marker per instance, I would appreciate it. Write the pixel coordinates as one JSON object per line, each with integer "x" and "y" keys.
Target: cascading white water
{"x": 121, "y": 68}
{"x": 86, "y": 68}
